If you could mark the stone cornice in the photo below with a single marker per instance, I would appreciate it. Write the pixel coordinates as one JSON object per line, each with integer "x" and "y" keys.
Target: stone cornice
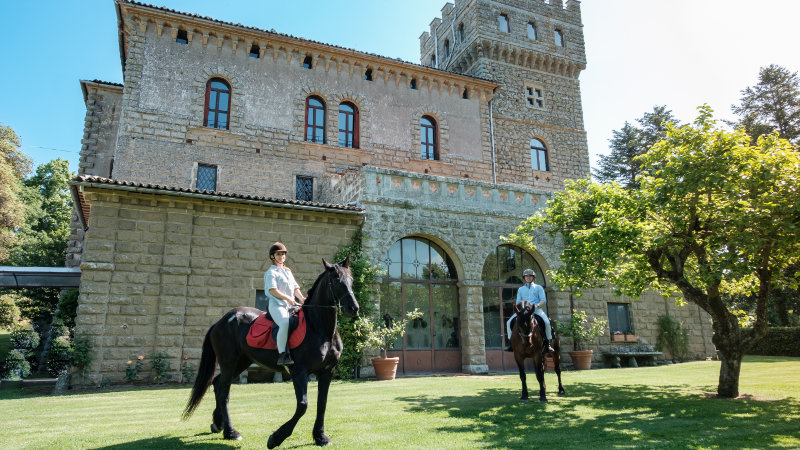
{"x": 135, "y": 18}
{"x": 510, "y": 54}
{"x": 100, "y": 85}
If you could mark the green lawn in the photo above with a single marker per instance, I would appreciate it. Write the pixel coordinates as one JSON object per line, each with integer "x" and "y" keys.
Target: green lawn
{"x": 649, "y": 407}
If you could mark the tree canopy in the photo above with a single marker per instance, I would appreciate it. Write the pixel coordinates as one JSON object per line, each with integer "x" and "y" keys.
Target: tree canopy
{"x": 715, "y": 215}
{"x": 773, "y": 104}
{"x": 13, "y": 166}
{"x": 629, "y": 142}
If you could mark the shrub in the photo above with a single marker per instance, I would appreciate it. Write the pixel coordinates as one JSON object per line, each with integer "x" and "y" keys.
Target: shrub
{"x": 16, "y": 365}
{"x": 59, "y": 355}
{"x": 673, "y": 337}
{"x": 779, "y": 341}
{"x": 132, "y": 369}
{"x": 25, "y": 338}
{"x": 82, "y": 354}
{"x": 364, "y": 276}
{"x": 67, "y": 308}
{"x": 9, "y": 312}
{"x": 160, "y": 367}
{"x": 187, "y": 371}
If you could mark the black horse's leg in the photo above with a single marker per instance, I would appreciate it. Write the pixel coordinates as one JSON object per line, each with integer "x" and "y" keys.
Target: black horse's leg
{"x": 521, "y": 365}
{"x": 324, "y": 382}
{"x": 557, "y": 366}
{"x": 539, "y": 369}
{"x": 300, "y": 381}
{"x": 222, "y": 388}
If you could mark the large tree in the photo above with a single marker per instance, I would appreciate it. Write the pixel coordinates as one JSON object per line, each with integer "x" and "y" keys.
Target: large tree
{"x": 773, "y": 104}
{"x": 630, "y": 141}
{"x": 715, "y": 215}
{"x": 13, "y": 166}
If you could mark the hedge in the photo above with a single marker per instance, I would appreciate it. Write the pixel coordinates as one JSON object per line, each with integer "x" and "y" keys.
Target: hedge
{"x": 779, "y": 341}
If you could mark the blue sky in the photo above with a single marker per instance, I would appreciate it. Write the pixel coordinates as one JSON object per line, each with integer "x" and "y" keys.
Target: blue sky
{"x": 640, "y": 53}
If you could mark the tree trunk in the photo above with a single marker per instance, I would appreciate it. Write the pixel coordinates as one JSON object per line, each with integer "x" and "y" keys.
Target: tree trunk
{"x": 729, "y": 374}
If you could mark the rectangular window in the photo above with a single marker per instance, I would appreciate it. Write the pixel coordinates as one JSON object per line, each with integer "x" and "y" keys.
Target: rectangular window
{"x": 206, "y": 177}
{"x": 304, "y": 188}
{"x": 619, "y": 318}
{"x": 262, "y": 302}
{"x": 182, "y": 37}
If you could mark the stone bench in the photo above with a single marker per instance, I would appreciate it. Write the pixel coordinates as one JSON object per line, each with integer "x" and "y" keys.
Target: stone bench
{"x": 614, "y": 358}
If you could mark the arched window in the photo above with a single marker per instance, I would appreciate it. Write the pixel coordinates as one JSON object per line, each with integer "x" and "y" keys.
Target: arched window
{"x": 218, "y": 104}
{"x": 539, "y": 156}
{"x": 348, "y": 125}
{"x": 315, "y": 120}
{"x": 502, "y": 276}
{"x": 502, "y": 21}
{"x": 559, "y": 38}
{"x": 531, "y": 31}
{"x": 428, "y": 145}
{"x": 420, "y": 274}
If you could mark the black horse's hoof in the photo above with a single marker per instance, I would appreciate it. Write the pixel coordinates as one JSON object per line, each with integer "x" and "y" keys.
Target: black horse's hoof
{"x": 542, "y": 400}
{"x": 562, "y": 394}
{"x": 523, "y": 400}
{"x": 233, "y": 436}
{"x": 215, "y": 428}
{"x": 273, "y": 442}
{"x": 322, "y": 440}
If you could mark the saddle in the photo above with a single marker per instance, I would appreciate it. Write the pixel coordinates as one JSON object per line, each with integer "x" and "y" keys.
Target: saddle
{"x": 539, "y": 324}
{"x": 263, "y": 332}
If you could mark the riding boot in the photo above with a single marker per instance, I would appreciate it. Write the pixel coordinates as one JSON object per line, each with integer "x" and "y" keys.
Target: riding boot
{"x": 508, "y": 346}
{"x": 284, "y": 359}
{"x": 546, "y": 346}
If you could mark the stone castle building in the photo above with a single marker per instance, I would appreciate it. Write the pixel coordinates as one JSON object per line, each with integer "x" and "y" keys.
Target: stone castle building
{"x": 225, "y": 138}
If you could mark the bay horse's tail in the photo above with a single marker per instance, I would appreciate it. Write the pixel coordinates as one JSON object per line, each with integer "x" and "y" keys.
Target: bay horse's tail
{"x": 205, "y": 376}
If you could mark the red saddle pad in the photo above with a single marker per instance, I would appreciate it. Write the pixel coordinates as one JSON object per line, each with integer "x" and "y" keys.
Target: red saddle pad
{"x": 260, "y": 334}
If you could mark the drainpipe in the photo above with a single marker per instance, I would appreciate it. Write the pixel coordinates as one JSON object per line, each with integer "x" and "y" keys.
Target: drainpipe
{"x": 491, "y": 135}
{"x": 435, "y": 49}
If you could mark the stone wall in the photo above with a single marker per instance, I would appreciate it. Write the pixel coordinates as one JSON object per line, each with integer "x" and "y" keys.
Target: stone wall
{"x": 158, "y": 270}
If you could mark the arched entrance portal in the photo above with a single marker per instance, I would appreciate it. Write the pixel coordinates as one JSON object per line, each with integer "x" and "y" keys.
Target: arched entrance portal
{"x": 421, "y": 275}
{"x": 502, "y": 276}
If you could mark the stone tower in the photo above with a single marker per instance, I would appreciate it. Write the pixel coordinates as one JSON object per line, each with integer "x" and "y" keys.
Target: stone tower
{"x": 535, "y": 50}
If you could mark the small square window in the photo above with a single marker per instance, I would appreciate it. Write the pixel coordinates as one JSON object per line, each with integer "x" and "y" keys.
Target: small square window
{"x": 412, "y": 84}
{"x": 304, "y": 189}
{"x": 206, "y": 177}
{"x": 255, "y": 51}
{"x": 368, "y": 75}
{"x": 308, "y": 62}
{"x": 534, "y": 96}
{"x": 183, "y": 37}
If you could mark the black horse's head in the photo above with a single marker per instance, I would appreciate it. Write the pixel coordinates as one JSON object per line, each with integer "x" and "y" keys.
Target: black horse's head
{"x": 525, "y": 319}
{"x": 341, "y": 286}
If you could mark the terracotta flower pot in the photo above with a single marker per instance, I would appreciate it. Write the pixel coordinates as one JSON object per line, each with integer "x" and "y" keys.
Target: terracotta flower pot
{"x": 617, "y": 338}
{"x": 385, "y": 368}
{"x": 631, "y": 338}
{"x": 581, "y": 359}
{"x": 549, "y": 364}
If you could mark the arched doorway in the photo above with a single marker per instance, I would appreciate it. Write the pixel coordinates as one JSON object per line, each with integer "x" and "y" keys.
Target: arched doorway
{"x": 502, "y": 276}
{"x": 420, "y": 274}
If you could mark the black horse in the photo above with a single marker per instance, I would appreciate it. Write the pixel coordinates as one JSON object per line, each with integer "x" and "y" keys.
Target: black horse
{"x": 226, "y": 345}
{"x": 526, "y": 340}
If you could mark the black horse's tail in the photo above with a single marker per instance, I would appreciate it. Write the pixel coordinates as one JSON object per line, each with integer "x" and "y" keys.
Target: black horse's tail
{"x": 205, "y": 376}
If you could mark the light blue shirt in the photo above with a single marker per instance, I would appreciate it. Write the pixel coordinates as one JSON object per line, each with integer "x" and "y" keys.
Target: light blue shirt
{"x": 282, "y": 280}
{"x": 533, "y": 293}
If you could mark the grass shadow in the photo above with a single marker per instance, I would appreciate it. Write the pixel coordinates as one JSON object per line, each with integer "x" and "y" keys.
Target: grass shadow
{"x": 160, "y": 442}
{"x": 593, "y": 415}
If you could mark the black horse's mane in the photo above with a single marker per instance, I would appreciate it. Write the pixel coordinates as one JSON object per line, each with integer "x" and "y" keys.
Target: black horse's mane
{"x": 319, "y": 280}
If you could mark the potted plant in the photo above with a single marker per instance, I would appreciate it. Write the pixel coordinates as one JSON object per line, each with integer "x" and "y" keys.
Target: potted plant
{"x": 582, "y": 331}
{"x": 380, "y": 335}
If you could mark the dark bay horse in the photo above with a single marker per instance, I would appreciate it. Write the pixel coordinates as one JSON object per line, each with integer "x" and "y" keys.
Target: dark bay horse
{"x": 225, "y": 345}
{"x": 526, "y": 340}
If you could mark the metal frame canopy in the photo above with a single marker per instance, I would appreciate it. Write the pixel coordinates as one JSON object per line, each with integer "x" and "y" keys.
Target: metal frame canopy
{"x": 28, "y": 277}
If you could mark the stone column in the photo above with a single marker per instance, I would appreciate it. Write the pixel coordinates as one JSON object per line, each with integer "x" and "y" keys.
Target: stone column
{"x": 473, "y": 347}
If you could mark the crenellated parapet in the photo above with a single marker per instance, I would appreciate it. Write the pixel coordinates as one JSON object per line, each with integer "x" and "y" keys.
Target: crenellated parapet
{"x": 542, "y": 35}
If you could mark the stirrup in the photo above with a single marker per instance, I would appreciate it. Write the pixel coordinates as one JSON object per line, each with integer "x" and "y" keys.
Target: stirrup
{"x": 284, "y": 359}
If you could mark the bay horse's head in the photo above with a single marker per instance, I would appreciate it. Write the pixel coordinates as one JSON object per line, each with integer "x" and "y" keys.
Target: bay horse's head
{"x": 340, "y": 287}
{"x": 525, "y": 320}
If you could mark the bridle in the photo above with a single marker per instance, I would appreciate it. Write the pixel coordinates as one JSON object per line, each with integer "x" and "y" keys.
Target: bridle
{"x": 337, "y": 303}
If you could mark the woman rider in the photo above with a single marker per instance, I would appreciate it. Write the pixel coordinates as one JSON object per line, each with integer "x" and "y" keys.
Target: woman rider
{"x": 281, "y": 290}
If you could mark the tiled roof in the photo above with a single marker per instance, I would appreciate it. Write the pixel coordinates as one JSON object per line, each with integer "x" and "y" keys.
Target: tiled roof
{"x": 87, "y": 180}
{"x": 289, "y": 36}
{"x": 109, "y": 83}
